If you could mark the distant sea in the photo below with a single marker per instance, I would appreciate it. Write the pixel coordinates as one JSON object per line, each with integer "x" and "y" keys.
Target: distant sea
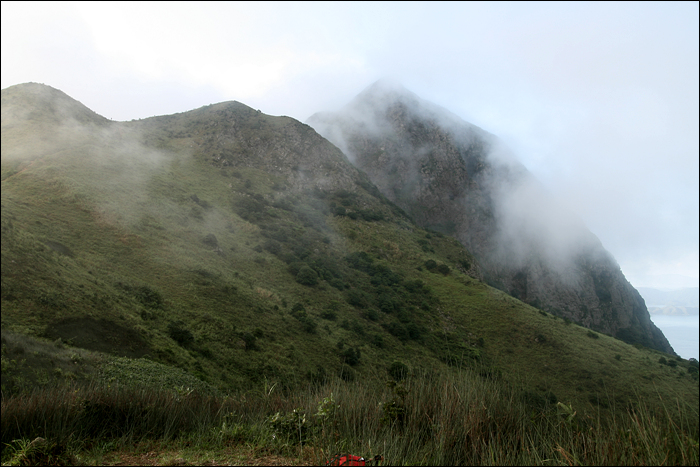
{"x": 682, "y": 333}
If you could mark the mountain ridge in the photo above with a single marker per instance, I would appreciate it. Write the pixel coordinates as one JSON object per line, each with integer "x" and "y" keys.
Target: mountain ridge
{"x": 454, "y": 177}
{"x": 245, "y": 249}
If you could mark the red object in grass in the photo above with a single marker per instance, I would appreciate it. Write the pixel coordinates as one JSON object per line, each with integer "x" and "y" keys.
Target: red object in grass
{"x": 349, "y": 459}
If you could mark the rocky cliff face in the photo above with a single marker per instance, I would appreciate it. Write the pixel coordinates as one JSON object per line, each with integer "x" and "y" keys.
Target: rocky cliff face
{"x": 456, "y": 178}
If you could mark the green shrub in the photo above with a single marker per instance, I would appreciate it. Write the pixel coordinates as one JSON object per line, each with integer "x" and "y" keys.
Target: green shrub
{"x": 414, "y": 331}
{"x": 330, "y": 315}
{"x": 307, "y": 276}
{"x": 179, "y": 333}
{"x": 38, "y": 452}
{"x": 309, "y": 324}
{"x": 377, "y": 340}
{"x": 394, "y": 411}
{"x": 398, "y": 370}
{"x": 337, "y": 283}
{"x": 397, "y": 330}
{"x": 249, "y": 341}
{"x": 386, "y": 302}
{"x": 592, "y": 334}
{"x": 272, "y": 246}
{"x": 292, "y": 427}
{"x": 443, "y": 269}
{"x": 371, "y": 216}
{"x": 351, "y": 356}
{"x": 145, "y": 295}
{"x": 357, "y": 298}
{"x": 357, "y": 328}
{"x": 430, "y": 265}
{"x": 416, "y": 286}
{"x": 359, "y": 260}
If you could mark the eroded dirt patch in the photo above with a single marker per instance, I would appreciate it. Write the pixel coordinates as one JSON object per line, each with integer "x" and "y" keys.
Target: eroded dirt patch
{"x": 59, "y": 248}
{"x": 100, "y": 335}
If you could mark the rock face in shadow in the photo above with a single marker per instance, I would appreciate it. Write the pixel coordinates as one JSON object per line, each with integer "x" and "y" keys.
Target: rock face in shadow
{"x": 458, "y": 179}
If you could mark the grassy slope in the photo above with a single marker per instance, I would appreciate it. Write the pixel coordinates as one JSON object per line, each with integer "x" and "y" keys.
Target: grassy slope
{"x": 104, "y": 246}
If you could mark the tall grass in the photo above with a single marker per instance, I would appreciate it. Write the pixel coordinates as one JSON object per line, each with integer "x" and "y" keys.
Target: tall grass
{"x": 94, "y": 412}
{"x": 445, "y": 419}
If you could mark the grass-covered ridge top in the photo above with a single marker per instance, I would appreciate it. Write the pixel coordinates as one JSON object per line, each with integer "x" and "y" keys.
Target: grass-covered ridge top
{"x": 244, "y": 249}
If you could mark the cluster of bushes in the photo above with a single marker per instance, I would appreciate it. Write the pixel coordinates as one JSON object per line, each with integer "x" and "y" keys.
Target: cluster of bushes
{"x": 425, "y": 245}
{"x": 404, "y": 330}
{"x": 299, "y": 313}
{"x": 390, "y": 292}
{"x": 303, "y": 250}
{"x": 351, "y": 356}
{"x": 370, "y": 285}
{"x": 691, "y": 365}
{"x": 252, "y": 208}
{"x": 250, "y": 339}
{"x": 433, "y": 266}
{"x": 386, "y": 297}
{"x": 147, "y": 296}
{"x": 344, "y": 203}
{"x": 364, "y": 214}
{"x": 316, "y": 268}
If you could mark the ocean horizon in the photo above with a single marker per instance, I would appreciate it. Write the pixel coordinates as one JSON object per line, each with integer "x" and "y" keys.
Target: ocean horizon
{"x": 682, "y": 333}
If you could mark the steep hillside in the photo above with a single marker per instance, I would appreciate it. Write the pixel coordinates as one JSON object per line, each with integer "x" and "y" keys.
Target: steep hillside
{"x": 246, "y": 250}
{"x": 458, "y": 179}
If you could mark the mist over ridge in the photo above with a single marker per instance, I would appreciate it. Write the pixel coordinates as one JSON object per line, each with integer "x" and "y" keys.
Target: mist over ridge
{"x": 223, "y": 216}
{"x": 456, "y": 178}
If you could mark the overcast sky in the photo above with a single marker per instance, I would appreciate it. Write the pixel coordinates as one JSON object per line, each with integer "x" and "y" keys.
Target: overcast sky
{"x": 598, "y": 100}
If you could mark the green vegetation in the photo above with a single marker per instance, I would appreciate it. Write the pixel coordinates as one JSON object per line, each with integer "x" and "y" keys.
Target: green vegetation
{"x": 250, "y": 276}
{"x": 449, "y": 418}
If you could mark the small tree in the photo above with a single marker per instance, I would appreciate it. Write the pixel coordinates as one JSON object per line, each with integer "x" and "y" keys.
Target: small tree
{"x": 307, "y": 276}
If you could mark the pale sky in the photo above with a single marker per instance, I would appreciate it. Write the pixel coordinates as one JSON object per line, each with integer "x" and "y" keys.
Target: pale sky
{"x": 598, "y": 100}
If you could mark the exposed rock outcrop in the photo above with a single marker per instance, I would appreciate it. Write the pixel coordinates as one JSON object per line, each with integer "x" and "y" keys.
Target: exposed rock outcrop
{"x": 456, "y": 178}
